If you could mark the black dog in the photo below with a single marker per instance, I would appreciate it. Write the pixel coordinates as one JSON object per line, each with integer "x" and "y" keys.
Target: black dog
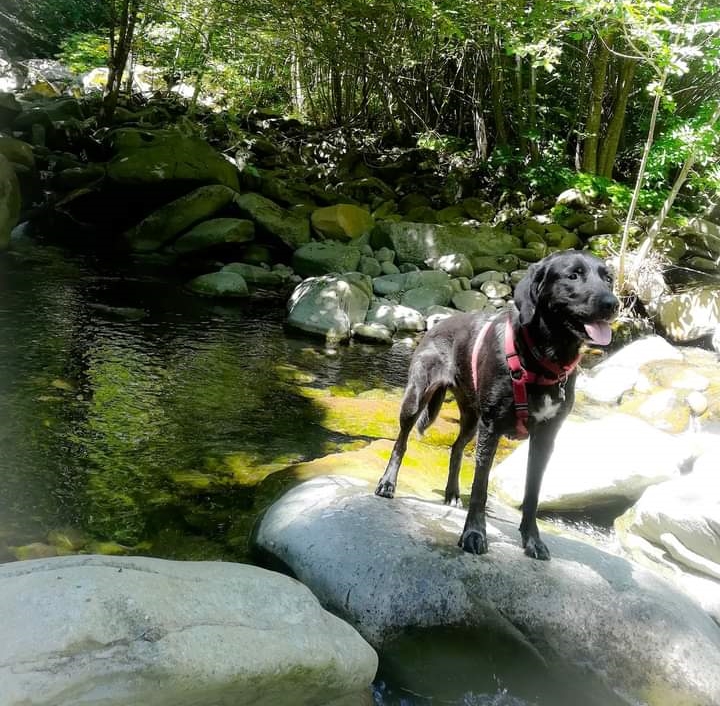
{"x": 513, "y": 374}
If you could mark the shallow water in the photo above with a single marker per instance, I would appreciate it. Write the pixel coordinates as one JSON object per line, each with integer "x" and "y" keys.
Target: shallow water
{"x": 136, "y": 417}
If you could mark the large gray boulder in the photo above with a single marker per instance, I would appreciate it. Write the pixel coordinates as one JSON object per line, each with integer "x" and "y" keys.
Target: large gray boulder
{"x": 392, "y": 569}
{"x": 595, "y": 464}
{"x": 418, "y": 243}
{"x": 117, "y": 631}
{"x": 331, "y": 305}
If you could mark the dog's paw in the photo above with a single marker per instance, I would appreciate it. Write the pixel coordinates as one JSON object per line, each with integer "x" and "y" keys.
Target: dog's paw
{"x": 385, "y": 489}
{"x": 536, "y": 549}
{"x": 453, "y": 500}
{"x": 473, "y": 541}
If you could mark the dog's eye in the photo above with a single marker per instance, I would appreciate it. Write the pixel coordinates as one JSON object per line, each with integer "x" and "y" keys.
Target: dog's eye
{"x": 576, "y": 273}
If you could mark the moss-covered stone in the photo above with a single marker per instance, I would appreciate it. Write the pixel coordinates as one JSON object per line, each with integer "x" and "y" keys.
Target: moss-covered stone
{"x": 342, "y": 221}
{"x": 220, "y": 284}
{"x": 171, "y": 156}
{"x": 177, "y": 216}
{"x": 10, "y": 201}
{"x": 290, "y": 228}
{"x": 216, "y": 231}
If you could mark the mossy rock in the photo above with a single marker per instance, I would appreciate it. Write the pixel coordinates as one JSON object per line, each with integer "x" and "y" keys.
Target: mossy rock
{"x": 67, "y": 539}
{"x": 377, "y": 417}
{"x": 292, "y": 229}
{"x": 176, "y": 217}
{"x": 451, "y": 214}
{"x": 422, "y": 214}
{"x": 10, "y": 201}
{"x": 255, "y": 276}
{"x": 342, "y": 221}
{"x": 172, "y": 157}
{"x": 220, "y": 284}
{"x": 213, "y": 233}
{"x": 17, "y": 151}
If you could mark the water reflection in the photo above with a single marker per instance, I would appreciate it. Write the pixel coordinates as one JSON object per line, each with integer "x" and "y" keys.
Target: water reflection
{"x": 145, "y": 416}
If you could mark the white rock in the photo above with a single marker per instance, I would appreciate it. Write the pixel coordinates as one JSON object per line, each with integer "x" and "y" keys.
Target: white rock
{"x": 596, "y": 463}
{"x": 85, "y": 630}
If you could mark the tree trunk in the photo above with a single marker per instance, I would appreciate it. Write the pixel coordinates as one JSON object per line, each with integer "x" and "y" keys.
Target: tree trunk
{"x": 532, "y": 130}
{"x": 609, "y": 145}
{"x": 298, "y": 93}
{"x": 594, "y": 118}
{"x": 121, "y": 37}
{"x": 497, "y": 92}
{"x": 638, "y": 183}
{"x": 679, "y": 181}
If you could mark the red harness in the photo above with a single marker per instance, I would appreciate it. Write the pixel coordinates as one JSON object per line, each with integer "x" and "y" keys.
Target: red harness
{"x": 520, "y": 376}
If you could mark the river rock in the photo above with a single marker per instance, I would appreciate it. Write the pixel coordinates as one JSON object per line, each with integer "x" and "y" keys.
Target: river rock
{"x": 455, "y": 264}
{"x": 470, "y": 301}
{"x": 331, "y": 305}
{"x": 216, "y": 231}
{"x": 395, "y": 317}
{"x": 689, "y": 315}
{"x": 17, "y": 151}
{"x": 595, "y": 464}
{"x": 220, "y": 284}
{"x": 177, "y": 216}
{"x": 403, "y": 281}
{"x": 342, "y": 221}
{"x": 424, "y": 298}
{"x": 291, "y": 228}
{"x": 320, "y": 258}
{"x": 135, "y": 630}
{"x": 599, "y": 225}
{"x": 257, "y": 276}
{"x": 171, "y": 156}
{"x": 621, "y": 372}
{"x": 682, "y": 516}
{"x": 585, "y": 612}
{"x": 416, "y": 243}
{"x": 9, "y": 109}
{"x": 10, "y": 201}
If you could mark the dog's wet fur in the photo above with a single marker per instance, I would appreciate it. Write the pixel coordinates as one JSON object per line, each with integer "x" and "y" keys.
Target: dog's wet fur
{"x": 555, "y": 301}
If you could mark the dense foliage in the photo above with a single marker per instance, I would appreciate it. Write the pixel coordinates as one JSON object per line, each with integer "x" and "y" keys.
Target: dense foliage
{"x": 535, "y": 92}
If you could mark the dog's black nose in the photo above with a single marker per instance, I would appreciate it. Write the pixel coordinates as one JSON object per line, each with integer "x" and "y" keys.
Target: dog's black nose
{"x": 608, "y": 305}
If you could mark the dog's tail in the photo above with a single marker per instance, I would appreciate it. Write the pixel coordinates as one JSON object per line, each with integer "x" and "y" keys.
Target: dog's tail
{"x": 431, "y": 411}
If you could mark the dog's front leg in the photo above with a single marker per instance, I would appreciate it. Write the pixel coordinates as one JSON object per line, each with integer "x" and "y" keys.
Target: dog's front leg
{"x": 542, "y": 441}
{"x": 474, "y": 536}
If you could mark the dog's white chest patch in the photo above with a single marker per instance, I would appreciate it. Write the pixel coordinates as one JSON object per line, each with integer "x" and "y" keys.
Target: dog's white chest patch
{"x": 546, "y": 410}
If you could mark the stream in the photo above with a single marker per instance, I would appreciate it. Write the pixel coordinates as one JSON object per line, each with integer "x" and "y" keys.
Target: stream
{"x": 137, "y": 418}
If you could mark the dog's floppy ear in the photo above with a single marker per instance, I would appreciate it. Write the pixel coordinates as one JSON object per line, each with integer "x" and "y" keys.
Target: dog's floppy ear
{"x": 527, "y": 291}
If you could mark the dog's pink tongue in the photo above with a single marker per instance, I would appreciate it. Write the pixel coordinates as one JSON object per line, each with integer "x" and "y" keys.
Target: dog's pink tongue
{"x": 599, "y": 332}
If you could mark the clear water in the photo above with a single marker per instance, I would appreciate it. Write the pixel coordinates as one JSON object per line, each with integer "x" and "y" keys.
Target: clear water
{"x": 139, "y": 416}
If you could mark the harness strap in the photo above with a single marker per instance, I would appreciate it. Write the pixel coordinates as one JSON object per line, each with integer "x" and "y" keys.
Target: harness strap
{"x": 519, "y": 375}
{"x": 476, "y": 350}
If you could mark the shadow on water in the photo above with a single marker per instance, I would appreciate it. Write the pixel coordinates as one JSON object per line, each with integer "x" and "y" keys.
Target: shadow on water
{"x": 147, "y": 420}
{"x": 145, "y": 416}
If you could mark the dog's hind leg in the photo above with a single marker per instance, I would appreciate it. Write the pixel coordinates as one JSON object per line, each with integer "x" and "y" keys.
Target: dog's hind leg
{"x": 468, "y": 426}
{"x": 414, "y": 402}
{"x": 474, "y": 536}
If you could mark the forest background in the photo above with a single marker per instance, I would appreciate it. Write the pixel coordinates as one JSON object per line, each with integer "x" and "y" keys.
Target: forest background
{"x": 621, "y": 97}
